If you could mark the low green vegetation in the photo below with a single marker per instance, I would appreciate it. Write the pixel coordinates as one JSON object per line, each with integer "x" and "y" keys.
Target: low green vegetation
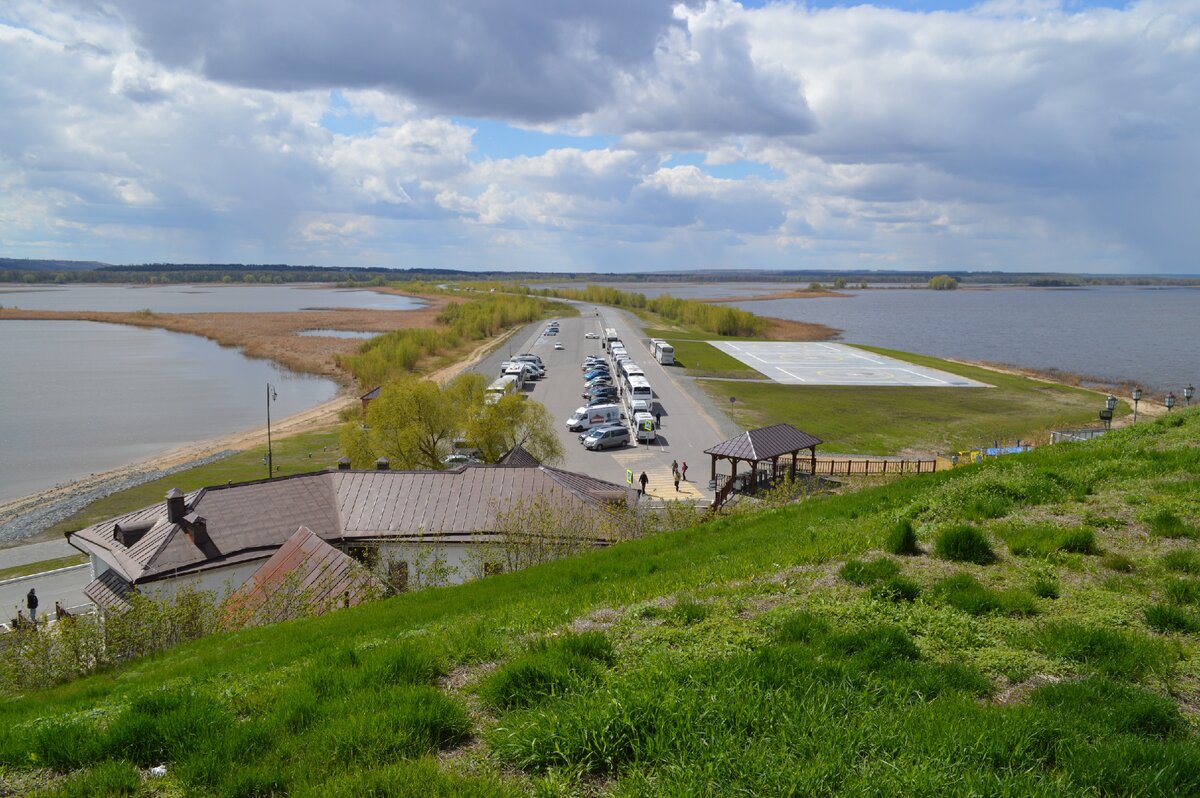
{"x": 14, "y": 571}
{"x": 1047, "y": 539}
{"x": 884, "y": 420}
{"x": 718, "y": 319}
{"x": 964, "y": 543}
{"x": 705, "y": 360}
{"x": 398, "y": 353}
{"x": 727, "y": 658}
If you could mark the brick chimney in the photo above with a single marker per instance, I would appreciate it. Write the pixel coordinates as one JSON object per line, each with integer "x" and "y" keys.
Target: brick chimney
{"x": 197, "y": 529}
{"x": 176, "y": 506}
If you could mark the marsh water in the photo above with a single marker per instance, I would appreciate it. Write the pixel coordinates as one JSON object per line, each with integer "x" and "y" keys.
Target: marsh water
{"x": 80, "y": 397}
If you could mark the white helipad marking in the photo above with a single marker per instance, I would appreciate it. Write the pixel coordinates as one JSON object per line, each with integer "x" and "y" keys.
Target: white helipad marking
{"x": 814, "y": 363}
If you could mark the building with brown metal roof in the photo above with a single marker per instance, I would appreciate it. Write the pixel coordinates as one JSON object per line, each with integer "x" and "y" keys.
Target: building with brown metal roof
{"x": 215, "y": 538}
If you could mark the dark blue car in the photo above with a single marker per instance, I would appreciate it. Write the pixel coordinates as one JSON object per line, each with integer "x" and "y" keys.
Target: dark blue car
{"x": 594, "y": 373}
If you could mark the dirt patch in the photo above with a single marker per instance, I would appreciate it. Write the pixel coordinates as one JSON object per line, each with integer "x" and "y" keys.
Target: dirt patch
{"x": 788, "y": 330}
{"x": 1017, "y": 693}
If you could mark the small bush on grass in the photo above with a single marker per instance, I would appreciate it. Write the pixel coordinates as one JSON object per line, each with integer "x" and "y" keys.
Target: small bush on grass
{"x": 868, "y": 573}
{"x": 801, "y": 627}
{"x": 107, "y": 780}
{"x": 1184, "y": 561}
{"x": 1099, "y": 706}
{"x": 1116, "y": 654}
{"x": 1183, "y": 591}
{"x": 902, "y": 539}
{"x": 1165, "y": 524}
{"x": 874, "y": 646}
{"x": 394, "y": 723}
{"x": 405, "y": 665}
{"x": 552, "y": 667}
{"x": 1168, "y": 618}
{"x": 896, "y": 589}
{"x": 964, "y": 592}
{"x": 688, "y": 612}
{"x": 1102, "y": 521}
{"x": 421, "y": 778}
{"x": 964, "y": 543}
{"x": 1119, "y": 563}
{"x": 1044, "y": 540}
{"x": 1045, "y": 587}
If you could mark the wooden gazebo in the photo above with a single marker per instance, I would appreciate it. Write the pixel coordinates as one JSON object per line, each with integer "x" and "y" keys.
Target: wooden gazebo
{"x": 761, "y": 446}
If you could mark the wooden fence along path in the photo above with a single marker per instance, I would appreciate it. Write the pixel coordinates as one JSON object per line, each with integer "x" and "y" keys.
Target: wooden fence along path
{"x": 850, "y": 467}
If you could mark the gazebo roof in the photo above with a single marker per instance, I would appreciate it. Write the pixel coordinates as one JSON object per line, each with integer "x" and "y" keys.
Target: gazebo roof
{"x": 765, "y": 443}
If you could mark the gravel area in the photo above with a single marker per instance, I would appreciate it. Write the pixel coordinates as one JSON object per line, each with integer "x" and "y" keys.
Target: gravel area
{"x": 37, "y": 515}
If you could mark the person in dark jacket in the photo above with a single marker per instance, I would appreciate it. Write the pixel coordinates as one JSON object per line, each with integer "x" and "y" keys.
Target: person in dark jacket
{"x": 643, "y": 479}
{"x": 31, "y": 601}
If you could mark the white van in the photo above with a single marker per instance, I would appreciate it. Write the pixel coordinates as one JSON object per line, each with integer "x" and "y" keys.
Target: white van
{"x": 644, "y": 428}
{"x": 665, "y": 353}
{"x": 519, "y": 372}
{"x": 640, "y": 395}
{"x": 588, "y": 417}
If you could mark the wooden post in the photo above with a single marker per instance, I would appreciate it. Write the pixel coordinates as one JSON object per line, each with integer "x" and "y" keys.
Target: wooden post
{"x": 795, "y": 454}
{"x": 813, "y": 451}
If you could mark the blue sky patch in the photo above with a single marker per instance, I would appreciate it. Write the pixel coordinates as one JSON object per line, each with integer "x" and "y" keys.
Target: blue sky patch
{"x": 498, "y": 140}
{"x": 728, "y": 171}
{"x": 343, "y": 120}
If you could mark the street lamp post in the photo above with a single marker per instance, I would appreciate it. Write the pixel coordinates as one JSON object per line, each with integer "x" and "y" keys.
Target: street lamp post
{"x": 1106, "y": 415}
{"x": 1137, "y": 397}
{"x": 1170, "y": 401}
{"x": 1188, "y": 393}
{"x": 271, "y": 396}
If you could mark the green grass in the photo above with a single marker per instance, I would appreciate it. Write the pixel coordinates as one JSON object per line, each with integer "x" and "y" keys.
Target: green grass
{"x": 964, "y": 543}
{"x": 868, "y": 573}
{"x": 1046, "y": 539}
{"x": 886, "y": 420}
{"x": 786, "y": 681}
{"x": 41, "y": 567}
{"x": 308, "y": 451}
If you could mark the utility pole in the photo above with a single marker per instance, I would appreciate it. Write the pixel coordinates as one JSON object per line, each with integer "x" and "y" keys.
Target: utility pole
{"x": 271, "y": 395}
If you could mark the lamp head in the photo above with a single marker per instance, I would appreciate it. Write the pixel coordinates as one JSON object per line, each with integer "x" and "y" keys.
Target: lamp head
{"x": 1110, "y": 403}
{"x": 1189, "y": 392}
{"x": 1137, "y": 394}
{"x": 1170, "y": 400}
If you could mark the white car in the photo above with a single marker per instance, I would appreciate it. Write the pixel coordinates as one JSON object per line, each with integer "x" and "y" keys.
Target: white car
{"x": 591, "y": 335}
{"x": 559, "y": 346}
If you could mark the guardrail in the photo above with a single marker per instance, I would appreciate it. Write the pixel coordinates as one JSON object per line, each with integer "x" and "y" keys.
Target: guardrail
{"x": 866, "y": 467}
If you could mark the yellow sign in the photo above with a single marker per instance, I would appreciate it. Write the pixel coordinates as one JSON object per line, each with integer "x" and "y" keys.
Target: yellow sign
{"x": 629, "y": 476}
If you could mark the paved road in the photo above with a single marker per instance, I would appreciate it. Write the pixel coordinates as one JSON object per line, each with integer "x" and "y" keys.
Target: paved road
{"x": 688, "y": 426}
{"x": 65, "y": 586}
{"x": 35, "y": 552}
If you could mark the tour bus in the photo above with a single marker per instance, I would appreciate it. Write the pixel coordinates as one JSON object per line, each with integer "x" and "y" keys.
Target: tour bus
{"x": 501, "y": 387}
{"x": 653, "y": 345}
{"x": 519, "y": 372}
{"x": 610, "y": 334}
{"x": 629, "y": 369}
{"x": 639, "y": 395}
{"x": 665, "y": 353}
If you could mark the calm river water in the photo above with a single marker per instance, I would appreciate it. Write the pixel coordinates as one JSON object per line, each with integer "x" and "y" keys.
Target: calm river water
{"x": 77, "y": 398}
{"x": 1115, "y": 333}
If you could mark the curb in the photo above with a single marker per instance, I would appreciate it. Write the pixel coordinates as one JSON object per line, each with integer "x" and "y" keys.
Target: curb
{"x": 27, "y": 577}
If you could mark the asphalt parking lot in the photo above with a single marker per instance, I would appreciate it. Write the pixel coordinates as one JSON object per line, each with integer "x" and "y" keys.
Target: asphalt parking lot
{"x": 688, "y": 428}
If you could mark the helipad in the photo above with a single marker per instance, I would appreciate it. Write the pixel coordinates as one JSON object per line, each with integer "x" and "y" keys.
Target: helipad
{"x": 808, "y": 363}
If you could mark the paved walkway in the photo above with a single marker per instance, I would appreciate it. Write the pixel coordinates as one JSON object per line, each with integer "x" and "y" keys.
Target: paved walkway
{"x": 35, "y": 552}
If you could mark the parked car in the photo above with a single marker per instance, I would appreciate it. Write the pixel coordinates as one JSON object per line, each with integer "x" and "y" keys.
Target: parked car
{"x": 591, "y": 335}
{"x": 611, "y": 438}
{"x": 558, "y": 345}
{"x": 583, "y": 436}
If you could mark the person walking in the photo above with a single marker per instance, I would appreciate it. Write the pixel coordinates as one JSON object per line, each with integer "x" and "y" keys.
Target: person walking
{"x": 658, "y": 418}
{"x": 643, "y": 479}
{"x": 31, "y": 601}
{"x": 676, "y": 481}
{"x": 675, "y": 469}
{"x": 683, "y": 471}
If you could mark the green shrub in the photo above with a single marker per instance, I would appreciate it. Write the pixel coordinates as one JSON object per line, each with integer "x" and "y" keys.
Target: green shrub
{"x": 1183, "y": 591}
{"x": 964, "y": 592}
{"x": 1168, "y": 618}
{"x": 421, "y": 778}
{"x": 1078, "y": 541}
{"x": 964, "y": 543}
{"x": 1185, "y": 561}
{"x": 388, "y": 724}
{"x": 1119, "y": 563}
{"x": 874, "y": 646}
{"x": 1043, "y": 540}
{"x": 105, "y": 780}
{"x": 552, "y": 667}
{"x": 1102, "y": 706}
{"x": 902, "y": 539}
{"x": 1113, "y": 653}
{"x": 1165, "y": 524}
{"x": 801, "y": 627}
{"x": 896, "y": 589}
{"x": 406, "y": 665}
{"x": 688, "y": 612}
{"x": 1045, "y": 587}
{"x": 868, "y": 573}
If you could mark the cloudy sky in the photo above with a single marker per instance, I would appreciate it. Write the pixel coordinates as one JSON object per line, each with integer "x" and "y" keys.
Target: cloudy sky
{"x": 623, "y": 135}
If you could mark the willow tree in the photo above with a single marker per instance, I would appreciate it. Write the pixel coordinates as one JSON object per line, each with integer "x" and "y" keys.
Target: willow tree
{"x": 511, "y": 422}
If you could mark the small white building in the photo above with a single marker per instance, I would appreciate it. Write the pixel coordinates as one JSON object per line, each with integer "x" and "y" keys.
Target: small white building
{"x": 215, "y": 538}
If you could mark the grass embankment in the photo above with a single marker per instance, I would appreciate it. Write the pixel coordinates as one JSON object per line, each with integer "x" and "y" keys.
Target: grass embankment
{"x": 41, "y": 567}
{"x": 779, "y": 653}
{"x": 885, "y": 420}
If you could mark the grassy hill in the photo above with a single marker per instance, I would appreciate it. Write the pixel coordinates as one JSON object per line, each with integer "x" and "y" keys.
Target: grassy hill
{"x": 1040, "y": 639}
